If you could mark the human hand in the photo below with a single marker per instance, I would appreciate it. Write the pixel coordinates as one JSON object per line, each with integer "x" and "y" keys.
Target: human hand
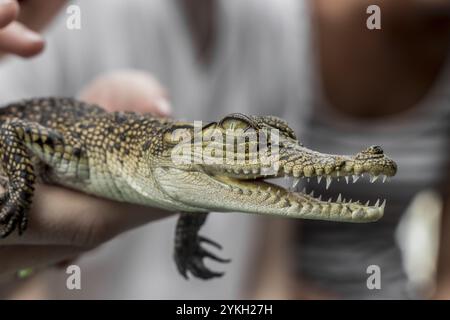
{"x": 19, "y": 21}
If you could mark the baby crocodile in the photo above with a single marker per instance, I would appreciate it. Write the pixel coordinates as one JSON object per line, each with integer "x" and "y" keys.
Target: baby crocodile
{"x": 135, "y": 158}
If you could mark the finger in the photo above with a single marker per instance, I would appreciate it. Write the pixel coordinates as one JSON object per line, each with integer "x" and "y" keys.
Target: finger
{"x": 15, "y": 258}
{"x": 9, "y": 11}
{"x": 128, "y": 90}
{"x": 65, "y": 217}
{"x": 37, "y": 14}
{"x": 17, "y": 39}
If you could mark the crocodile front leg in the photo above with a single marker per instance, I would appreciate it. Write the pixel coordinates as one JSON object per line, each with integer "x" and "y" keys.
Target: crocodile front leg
{"x": 20, "y": 142}
{"x": 17, "y": 166}
{"x": 189, "y": 253}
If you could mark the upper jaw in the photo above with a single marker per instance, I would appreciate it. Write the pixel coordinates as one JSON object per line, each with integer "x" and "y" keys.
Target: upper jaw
{"x": 333, "y": 167}
{"x": 294, "y": 160}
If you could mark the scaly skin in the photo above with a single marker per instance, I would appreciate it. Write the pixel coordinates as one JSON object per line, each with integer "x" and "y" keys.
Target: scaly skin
{"x": 133, "y": 158}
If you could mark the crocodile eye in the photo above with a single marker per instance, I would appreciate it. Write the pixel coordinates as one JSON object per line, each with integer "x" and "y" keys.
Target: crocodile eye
{"x": 238, "y": 121}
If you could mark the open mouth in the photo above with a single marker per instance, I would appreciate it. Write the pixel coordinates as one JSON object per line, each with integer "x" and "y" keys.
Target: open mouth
{"x": 269, "y": 191}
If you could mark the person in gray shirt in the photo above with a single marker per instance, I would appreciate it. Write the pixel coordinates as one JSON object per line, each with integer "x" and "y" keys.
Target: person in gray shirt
{"x": 389, "y": 87}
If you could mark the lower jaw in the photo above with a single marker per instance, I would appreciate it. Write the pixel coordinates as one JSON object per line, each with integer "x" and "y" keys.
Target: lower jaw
{"x": 249, "y": 186}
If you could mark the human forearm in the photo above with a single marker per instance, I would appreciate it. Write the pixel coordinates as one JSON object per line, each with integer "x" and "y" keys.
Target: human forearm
{"x": 66, "y": 223}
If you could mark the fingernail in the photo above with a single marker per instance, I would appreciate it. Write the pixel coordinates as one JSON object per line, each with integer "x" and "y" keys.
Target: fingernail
{"x": 164, "y": 106}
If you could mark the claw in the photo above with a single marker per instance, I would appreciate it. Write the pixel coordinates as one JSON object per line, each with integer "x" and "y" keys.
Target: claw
{"x": 199, "y": 270}
{"x": 206, "y": 253}
{"x": 209, "y": 241}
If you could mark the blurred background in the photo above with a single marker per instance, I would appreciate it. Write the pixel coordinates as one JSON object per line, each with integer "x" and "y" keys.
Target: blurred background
{"x": 341, "y": 86}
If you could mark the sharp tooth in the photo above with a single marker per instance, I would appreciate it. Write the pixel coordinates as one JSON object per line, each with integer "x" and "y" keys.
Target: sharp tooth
{"x": 269, "y": 189}
{"x": 319, "y": 178}
{"x": 246, "y": 171}
{"x": 355, "y": 178}
{"x": 312, "y": 193}
{"x": 347, "y": 179}
{"x": 338, "y": 173}
{"x": 339, "y": 198}
{"x": 384, "y": 179}
{"x": 236, "y": 171}
{"x": 328, "y": 182}
{"x": 304, "y": 190}
{"x": 278, "y": 193}
{"x": 329, "y": 200}
{"x": 350, "y": 201}
{"x": 255, "y": 171}
{"x": 377, "y": 203}
{"x": 308, "y": 180}
{"x": 373, "y": 179}
{"x": 295, "y": 183}
{"x": 383, "y": 204}
{"x": 319, "y": 198}
{"x": 367, "y": 203}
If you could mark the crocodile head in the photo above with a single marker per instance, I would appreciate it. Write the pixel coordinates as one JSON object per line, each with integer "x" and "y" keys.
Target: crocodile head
{"x": 227, "y": 165}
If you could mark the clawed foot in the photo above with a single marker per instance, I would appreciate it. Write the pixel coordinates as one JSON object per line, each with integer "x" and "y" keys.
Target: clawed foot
{"x": 12, "y": 213}
{"x": 12, "y": 216}
{"x": 189, "y": 255}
